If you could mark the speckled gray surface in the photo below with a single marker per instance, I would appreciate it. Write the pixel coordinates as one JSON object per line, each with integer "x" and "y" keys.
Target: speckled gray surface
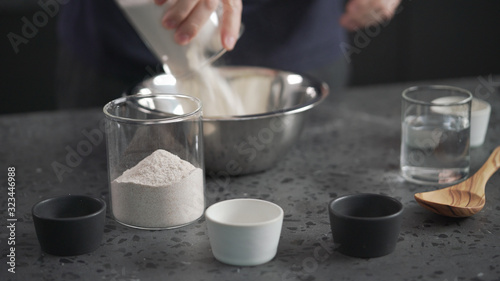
{"x": 350, "y": 145}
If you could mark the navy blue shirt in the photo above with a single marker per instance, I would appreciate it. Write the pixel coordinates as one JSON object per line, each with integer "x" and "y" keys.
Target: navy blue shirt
{"x": 294, "y": 35}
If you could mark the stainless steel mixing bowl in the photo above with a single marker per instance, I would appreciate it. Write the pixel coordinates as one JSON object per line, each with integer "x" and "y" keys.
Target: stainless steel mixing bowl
{"x": 278, "y": 102}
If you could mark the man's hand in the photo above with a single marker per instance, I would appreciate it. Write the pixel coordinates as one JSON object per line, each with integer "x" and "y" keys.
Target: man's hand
{"x": 187, "y": 17}
{"x": 364, "y": 13}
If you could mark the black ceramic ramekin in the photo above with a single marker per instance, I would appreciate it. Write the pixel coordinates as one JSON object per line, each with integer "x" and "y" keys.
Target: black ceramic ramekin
{"x": 69, "y": 225}
{"x": 365, "y": 225}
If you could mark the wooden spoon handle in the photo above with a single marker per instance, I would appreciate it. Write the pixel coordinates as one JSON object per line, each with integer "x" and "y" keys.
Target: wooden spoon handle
{"x": 491, "y": 165}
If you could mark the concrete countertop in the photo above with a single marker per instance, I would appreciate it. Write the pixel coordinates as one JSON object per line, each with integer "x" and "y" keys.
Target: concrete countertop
{"x": 350, "y": 145}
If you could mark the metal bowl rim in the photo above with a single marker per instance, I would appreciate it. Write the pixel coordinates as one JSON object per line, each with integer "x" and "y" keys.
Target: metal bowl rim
{"x": 323, "y": 93}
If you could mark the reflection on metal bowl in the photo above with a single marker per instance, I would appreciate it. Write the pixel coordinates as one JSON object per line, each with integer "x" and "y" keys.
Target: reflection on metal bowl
{"x": 277, "y": 102}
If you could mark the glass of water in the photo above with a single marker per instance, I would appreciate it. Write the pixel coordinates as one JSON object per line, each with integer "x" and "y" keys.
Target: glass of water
{"x": 435, "y": 122}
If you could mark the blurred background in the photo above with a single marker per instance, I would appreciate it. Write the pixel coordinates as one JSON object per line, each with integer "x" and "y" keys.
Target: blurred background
{"x": 426, "y": 40}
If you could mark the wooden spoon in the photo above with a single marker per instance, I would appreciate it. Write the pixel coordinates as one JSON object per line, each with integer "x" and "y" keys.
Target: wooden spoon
{"x": 465, "y": 198}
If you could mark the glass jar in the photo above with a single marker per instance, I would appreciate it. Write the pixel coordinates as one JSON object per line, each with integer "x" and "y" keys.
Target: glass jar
{"x": 155, "y": 160}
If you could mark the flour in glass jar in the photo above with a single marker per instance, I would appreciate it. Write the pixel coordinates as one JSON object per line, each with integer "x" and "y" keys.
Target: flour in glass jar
{"x": 161, "y": 191}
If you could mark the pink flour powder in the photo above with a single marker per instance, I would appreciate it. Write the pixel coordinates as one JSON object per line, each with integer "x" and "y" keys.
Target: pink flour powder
{"x": 161, "y": 191}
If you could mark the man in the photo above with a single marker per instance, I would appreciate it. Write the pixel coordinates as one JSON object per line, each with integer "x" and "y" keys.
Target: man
{"x": 101, "y": 55}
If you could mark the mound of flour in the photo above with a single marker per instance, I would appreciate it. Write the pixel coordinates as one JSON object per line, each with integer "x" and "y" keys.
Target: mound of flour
{"x": 161, "y": 191}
